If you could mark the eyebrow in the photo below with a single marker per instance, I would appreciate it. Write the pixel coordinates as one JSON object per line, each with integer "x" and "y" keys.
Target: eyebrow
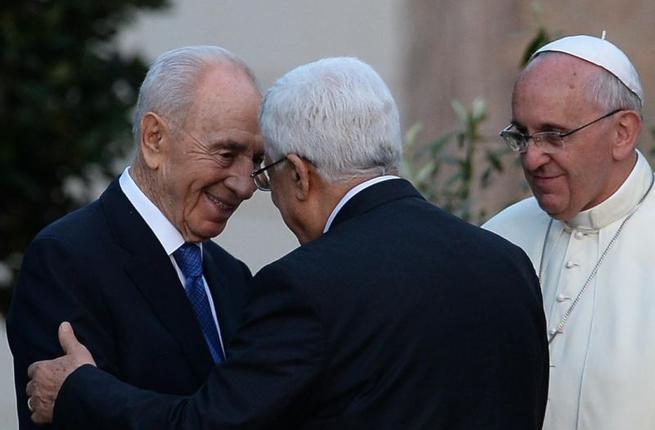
{"x": 549, "y": 126}
{"x": 229, "y": 145}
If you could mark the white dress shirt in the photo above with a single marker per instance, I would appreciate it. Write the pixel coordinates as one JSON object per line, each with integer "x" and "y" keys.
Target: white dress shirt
{"x": 602, "y": 371}
{"x": 168, "y": 236}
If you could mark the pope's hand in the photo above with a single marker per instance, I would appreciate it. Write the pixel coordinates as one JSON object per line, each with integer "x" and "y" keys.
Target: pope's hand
{"x": 47, "y": 377}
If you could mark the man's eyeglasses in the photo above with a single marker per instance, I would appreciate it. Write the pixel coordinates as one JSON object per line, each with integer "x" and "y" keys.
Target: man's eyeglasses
{"x": 261, "y": 177}
{"x": 549, "y": 142}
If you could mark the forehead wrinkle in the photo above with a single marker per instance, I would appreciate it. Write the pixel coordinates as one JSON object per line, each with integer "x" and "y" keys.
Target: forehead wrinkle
{"x": 237, "y": 147}
{"x": 558, "y": 70}
{"x": 229, "y": 144}
{"x": 555, "y": 85}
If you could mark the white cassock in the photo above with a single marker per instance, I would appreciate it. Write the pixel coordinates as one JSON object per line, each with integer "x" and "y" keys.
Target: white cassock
{"x": 602, "y": 363}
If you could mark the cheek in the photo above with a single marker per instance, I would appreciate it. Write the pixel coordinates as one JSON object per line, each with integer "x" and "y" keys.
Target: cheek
{"x": 585, "y": 182}
{"x": 282, "y": 207}
{"x": 277, "y": 202}
{"x": 192, "y": 188}
{"x": 191, "y": 204}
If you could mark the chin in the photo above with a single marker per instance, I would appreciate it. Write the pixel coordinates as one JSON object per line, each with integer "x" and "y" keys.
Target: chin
{"x": 552, "y": 210}
{"x": 206, "y": 233}
{"x": 552, "y": 203}
{"x": 559, "y": 213}
{"x": 558, "y": 216}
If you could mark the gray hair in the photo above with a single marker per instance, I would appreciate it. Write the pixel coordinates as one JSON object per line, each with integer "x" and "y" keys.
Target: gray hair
{"x": 168, "y": 86}
{"x": 607, "y": 91}
{"x": 337, "y": 113}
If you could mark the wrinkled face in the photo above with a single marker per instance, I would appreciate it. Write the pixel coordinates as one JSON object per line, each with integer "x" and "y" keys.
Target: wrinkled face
{"x": 206, "y": 171}
{"x": 296, "y": 205}
{"x": 550, "y": 96}
{"x": 282, "y": 194}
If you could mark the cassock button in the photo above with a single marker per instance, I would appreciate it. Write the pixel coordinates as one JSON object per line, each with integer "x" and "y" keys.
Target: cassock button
{"x": 579, "y": 235}
{"x": 552, "y": 331}
{"x": 562, "y": 298}
{"x": 569, "y": 264}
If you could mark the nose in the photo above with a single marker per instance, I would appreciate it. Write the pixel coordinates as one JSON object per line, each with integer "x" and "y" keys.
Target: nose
{"x": 534, "y": 157}
{"x": 240, "y": 182}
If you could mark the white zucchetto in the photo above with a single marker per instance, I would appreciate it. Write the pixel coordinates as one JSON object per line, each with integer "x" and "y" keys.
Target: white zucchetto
{"x": 601, "y": 53}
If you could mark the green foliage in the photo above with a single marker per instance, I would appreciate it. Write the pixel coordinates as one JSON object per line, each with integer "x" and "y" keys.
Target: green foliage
{"x": 448, "y": 169}
{"x": 540, "y": 38}
{"x": 65, "y": 96}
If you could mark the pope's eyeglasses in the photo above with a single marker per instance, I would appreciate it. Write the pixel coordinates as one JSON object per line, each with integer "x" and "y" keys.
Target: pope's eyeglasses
{"x": 549, "y": 142}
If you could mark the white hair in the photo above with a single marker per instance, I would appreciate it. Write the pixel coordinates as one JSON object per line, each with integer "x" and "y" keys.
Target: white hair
{"x": 168, "y": 86}
{"x": 338, "y": 114}
{"x": 610, "y": 93}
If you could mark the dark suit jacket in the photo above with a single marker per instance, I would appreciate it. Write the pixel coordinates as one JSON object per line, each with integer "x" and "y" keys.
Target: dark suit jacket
{"x": 102, "y": 269}
{"x": 400, "y": 317}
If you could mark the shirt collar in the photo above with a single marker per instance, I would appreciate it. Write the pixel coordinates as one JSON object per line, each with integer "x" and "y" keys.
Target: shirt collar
{"x": 169, "y": 237}
{"x": 620, "y": 203}
{"x": 351, "y": 193}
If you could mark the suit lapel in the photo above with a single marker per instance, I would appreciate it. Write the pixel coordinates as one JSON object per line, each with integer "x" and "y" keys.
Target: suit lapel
{"x": 218, "y": 286}
{"x": 151, "y": 271}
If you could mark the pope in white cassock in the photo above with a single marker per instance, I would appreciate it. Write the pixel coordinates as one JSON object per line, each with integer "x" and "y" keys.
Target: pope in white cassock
{"x": 576, "y": 116}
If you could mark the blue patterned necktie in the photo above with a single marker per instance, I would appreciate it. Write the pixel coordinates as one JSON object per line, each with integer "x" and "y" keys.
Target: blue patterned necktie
{"x": 188, "y": 259}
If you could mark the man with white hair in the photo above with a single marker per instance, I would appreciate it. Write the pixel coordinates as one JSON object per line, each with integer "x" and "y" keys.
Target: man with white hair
{"x": 135, "y": 272}
{"x": 390, "y": 315}
{"x": 576, "y": 115}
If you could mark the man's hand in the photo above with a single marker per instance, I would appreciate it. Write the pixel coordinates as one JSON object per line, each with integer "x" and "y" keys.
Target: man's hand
{"x": 47, "y": 377}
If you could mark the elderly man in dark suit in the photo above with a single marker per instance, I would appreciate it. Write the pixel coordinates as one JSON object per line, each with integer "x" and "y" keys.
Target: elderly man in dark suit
{"x": 113, "y": 268}
{"x": 390, "y": 315}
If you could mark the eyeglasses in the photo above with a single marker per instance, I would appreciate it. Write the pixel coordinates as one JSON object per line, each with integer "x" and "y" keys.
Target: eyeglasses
{"x": 261, "y": 177}
{"x": 549, "y": 142}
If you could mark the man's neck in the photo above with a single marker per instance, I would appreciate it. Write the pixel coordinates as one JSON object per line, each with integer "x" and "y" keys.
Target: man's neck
{"x": 146, "y": 184}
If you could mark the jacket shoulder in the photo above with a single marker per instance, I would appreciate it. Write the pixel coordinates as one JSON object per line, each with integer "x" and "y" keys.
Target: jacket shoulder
{"x": 79, "y": 224}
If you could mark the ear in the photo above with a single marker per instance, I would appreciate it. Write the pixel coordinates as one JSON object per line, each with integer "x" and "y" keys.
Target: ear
{"x": 153, "y": 139}
{"x": 626, "y": 131}
{"x": 302, "y": 176}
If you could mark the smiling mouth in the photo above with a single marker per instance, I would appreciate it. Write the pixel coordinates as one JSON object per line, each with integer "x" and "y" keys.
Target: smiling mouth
{"x": 220, "y": 203}
{"x": 544, "y": 177}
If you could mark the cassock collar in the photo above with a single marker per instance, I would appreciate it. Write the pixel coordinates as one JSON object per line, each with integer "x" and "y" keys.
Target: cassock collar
{"x": 618, "y": 204}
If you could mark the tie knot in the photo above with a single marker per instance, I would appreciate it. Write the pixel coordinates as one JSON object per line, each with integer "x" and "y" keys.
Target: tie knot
{"x": 188, "y": 259}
